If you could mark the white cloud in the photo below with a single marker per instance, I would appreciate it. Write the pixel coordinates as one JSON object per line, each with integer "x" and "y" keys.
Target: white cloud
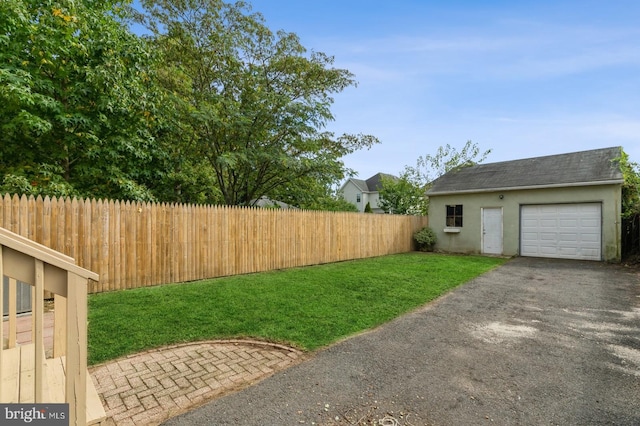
{"x": 525, "y": 80}
{"x": 518, "y": 51}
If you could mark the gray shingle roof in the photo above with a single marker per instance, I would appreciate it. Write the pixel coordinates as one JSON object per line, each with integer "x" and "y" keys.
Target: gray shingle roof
{"x": 267, "y": 202}
{"x": 372, "y": 184}
{"x": 576, "y": 168}
{"x": 361, "y": 184}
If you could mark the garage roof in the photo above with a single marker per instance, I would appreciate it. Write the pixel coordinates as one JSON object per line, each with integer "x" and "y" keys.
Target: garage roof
{"x": 594, "y": 167}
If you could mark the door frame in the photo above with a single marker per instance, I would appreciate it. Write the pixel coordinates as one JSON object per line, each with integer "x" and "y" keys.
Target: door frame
{"x": 482, "y": 229}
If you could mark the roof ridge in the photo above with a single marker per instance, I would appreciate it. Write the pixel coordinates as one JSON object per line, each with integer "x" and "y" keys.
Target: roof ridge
{"x": 551, "y": 170}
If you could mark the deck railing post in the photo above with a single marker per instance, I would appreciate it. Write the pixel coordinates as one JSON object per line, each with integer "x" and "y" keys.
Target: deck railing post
{"x": 59, "y": 325}
{"x": 46, "y": 270}
{"x": 13, "y": 290}
{"x": 38, "y": 326}
{"x": 76, "y": 364}
{"x": 2, "y": 322}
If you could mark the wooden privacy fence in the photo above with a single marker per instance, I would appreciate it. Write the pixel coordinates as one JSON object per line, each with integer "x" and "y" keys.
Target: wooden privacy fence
{"x": 130, "y": 244}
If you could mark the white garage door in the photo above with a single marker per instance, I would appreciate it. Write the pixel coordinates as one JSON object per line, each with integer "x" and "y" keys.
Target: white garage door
{"x": 568, "y": 231}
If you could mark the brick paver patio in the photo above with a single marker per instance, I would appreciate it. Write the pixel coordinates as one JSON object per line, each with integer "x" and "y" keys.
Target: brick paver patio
{"x": 150, "y": 387}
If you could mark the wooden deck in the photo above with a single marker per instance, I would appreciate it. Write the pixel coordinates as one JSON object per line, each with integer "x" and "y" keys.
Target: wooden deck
{"x": 44, "y": 359}
{"x": 18, "y": 372}
{"x": 24, "y": 333}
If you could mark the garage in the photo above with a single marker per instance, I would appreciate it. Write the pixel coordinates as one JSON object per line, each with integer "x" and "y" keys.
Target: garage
{"x": 558, "y": 206}
{"x": 567, "y": 231}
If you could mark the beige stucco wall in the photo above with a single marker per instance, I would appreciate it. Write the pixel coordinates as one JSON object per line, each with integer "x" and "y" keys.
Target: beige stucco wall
{"x": 469, "y": 239}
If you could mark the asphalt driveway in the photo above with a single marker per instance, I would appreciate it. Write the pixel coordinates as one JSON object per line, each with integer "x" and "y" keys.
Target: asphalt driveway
{"x": 533, "y": 342}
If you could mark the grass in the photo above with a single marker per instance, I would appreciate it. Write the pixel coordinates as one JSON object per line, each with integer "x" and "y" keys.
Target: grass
{"x": 306, "y": 307}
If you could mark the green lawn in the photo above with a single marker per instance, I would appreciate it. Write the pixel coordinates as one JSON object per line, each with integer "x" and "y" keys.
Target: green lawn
{"x": 306, "y": 307}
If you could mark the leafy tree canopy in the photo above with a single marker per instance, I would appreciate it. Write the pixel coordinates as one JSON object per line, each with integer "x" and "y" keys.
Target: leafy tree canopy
{"x": 332, "y": 203}
{"x": 313, "y": 193}
{"x": 407, "y": 195}
{"x": 630, "y": 187}
{"x": 212, "y": 107}
{"x": 430, "y": 167}
{"x": 250, "y": 105}
{"x": 76, "y": 106}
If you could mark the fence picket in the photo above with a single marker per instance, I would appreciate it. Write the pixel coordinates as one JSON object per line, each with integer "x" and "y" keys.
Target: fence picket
{"x": 114, "y": 239}
{"x": 132, "y": 244}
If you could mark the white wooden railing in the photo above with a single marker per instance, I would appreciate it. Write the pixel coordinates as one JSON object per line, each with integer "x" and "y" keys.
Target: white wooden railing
{"x": 30, "y": 373}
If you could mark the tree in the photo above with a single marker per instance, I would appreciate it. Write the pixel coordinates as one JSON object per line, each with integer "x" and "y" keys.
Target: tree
{"x": 313, "y": 193}
{"x": 407, "y": 195}
{"x": 367, "y": 208}
{"x": 430, "y": 167}
{"x": 333, "y": 204}
{"x": 76, "y": 107}
{"x": 630, "y": 187}
{"x": 251, "y": 104}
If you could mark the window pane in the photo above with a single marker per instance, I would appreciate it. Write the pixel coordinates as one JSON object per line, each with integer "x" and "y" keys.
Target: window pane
{"x": 454, "y": 215}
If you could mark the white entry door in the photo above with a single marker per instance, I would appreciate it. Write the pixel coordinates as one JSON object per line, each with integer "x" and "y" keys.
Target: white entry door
{"x": 492, "y": 230}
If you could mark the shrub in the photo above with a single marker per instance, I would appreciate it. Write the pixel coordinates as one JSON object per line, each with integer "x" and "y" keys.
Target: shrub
{"x": 367, "y": 208}
{"x": 425, "y": 238}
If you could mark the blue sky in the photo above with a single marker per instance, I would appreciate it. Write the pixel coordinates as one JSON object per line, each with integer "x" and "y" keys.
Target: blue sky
{"x": 522, "y": 78}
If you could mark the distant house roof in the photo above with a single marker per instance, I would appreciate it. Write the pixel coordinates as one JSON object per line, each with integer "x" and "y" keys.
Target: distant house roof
{"x": 361, "y": 184}
{"x": 573, "y": 169}
{"x": 266, "y": 202}
{"x": 373, "y": 184}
